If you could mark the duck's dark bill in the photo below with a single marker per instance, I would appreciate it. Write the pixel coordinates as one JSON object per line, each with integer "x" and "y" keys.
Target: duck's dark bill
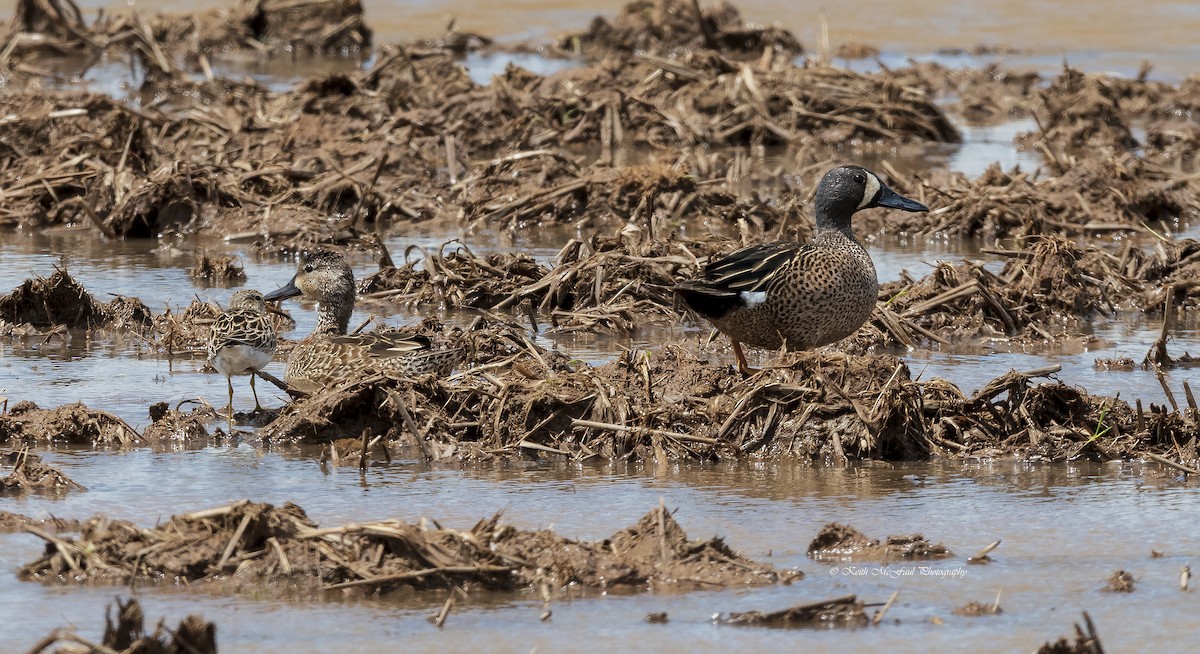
{"x": 890, "y": 198}
{"x": 288, "y": 290}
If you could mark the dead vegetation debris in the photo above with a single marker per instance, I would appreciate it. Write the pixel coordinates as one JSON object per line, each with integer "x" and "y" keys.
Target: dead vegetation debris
{"x": 672, "y": 26}
{"x": 172, "y": 425}
{"x": 837, "y": 542}
{"x": 30, "y": 474}
{"x": 220, "y": 269}
{"x": 1085, "y": 642}
{"x": 251, "y": 544}
{"x": 61, "y": 300}
{"x": 1080, "y": 110}
{"x": 125, "y": 633}
{"x": 518, "y": 400}
{"x": 1120, "y": 582}
{"x": 1102, "y": 196}
{"x": 74, "y": 423}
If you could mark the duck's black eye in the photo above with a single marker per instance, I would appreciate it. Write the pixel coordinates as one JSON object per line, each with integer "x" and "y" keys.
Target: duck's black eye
{"x": 860, "y": 178}
{"x": 308, "y": 267}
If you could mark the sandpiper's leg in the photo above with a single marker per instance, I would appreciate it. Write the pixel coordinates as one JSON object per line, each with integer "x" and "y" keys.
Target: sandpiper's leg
{"x": 742, "y": 365}
{"x": 229, "y": 381}
{"x": 257, "y": 407}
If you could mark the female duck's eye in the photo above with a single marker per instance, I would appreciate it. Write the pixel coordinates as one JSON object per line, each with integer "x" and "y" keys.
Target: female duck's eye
{"x": 308, "y": 267}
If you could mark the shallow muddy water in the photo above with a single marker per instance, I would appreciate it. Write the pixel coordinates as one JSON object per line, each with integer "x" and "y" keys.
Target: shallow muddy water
{"x": 1065, "y": 529}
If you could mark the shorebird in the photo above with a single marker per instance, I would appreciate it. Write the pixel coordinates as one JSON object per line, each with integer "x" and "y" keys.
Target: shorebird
{"x": 242, "y": 341}
{"x": 329, "y": 355}
{"x": 802, "y": 295}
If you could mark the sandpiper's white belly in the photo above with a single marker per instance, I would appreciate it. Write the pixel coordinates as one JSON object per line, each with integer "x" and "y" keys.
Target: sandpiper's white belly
{"x": 240, "y": 359}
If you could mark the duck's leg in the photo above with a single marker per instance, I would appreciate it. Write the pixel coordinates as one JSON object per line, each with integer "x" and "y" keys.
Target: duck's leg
{"x": 229, "y": 381}
{"x": 257, "y": 407}
{"x": 742, "y": 366}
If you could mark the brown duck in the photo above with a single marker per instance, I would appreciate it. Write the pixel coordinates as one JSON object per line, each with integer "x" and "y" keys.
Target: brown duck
{"x": 803, "y": 295}
{"x": 330, "y": 355}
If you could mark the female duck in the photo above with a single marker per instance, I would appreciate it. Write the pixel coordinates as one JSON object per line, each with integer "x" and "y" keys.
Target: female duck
{"x": 329, "y": 355}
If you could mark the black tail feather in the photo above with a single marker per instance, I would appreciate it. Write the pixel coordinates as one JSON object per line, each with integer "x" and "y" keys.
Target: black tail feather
{"x": 707, "y": 301}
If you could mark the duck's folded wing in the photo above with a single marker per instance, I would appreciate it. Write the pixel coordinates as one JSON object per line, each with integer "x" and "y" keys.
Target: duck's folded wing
{"x": 737, "y": 280}
{"x": 384, "y": 345}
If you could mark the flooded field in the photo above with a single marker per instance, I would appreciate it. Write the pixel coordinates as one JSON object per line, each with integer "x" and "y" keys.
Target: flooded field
{"x": 525, "y": 188}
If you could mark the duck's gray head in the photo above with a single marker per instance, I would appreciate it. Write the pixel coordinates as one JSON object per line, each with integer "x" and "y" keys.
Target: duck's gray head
{"x": 323, "y": 276}
{"x": 847, "y": 189}
{"x": 248, "y": 298}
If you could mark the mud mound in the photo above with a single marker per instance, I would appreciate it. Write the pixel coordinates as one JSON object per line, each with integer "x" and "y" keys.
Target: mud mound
{"x": 61, "y": 301}
{"x": 987, "y": 95}
{"x": 837, "y": 542}
{"x": 254, "y": 544}
{"x": 1081, "y": 110}
{"x": 57, "y": 300}
{"x": 841, "y": 612}
{"x": 173, "y": 425}
{"x": 667, "y": 26}
{"x": 29, "y": 474}
{"x": 676, "y": 403}
{"x": 1103, "y": 196}
{"x": 127, "y": 635}
{"x": 71, "y": 423}
{"x": 221, "y": 269}
{"x": 1044, "y": 293}
{"x": 529, "y": 192}
{"x": 1120, "y": 582}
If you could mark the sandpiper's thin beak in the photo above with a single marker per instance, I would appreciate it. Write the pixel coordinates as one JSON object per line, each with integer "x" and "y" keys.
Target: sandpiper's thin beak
{"x": 286, "y": 291}
{"x": 887, "y": 198}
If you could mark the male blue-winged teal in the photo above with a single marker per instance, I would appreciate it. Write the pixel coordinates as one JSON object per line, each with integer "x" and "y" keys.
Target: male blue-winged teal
{"x": 802, "y": 295}
{"x": 242, "y": 341}
{"x": 330, "y": 355}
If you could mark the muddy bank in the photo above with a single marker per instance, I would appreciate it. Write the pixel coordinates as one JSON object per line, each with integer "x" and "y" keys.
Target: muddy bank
{"x": 257, "y": 546}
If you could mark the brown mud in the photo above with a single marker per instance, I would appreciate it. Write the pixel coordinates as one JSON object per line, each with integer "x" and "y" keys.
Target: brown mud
{"x": 650, "y": 148}
{"x": 248, "y": 546}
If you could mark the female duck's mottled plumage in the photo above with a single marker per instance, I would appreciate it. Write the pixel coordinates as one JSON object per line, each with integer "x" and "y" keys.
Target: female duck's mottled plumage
{"x": 802, "y": 295}
{"x": 330, "y": 355}
{"x": 242, "y": 341}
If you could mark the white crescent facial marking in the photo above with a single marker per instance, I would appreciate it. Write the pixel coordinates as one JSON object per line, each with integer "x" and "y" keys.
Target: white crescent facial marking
{"x": 753, "y": 298}
{"x": 871, "y": 191}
